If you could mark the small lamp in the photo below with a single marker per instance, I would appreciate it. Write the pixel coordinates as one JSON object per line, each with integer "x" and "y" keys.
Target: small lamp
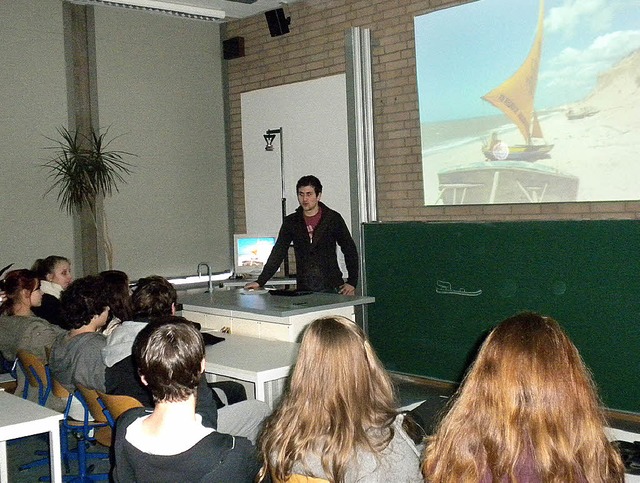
{"x": 269, "y": 137}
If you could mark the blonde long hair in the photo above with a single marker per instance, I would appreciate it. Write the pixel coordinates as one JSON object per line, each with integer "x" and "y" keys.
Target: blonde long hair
{"x": 528, "y": 396}
{"x": 338, "y": 391}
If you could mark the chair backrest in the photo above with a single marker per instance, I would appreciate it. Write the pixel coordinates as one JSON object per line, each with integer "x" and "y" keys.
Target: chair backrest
{"x": 36, "y": 373}
{"x": 90, "y": 397}
{"x": 58, "y": 390}
{"x": 117, "y": 404}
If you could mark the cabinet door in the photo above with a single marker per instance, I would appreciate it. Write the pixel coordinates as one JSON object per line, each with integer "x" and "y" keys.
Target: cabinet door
{"x": 208, "y": 321}
{"x": 263, "y": 330}
{"x": 245, "y": 327}
{"x": 273, "y": 331}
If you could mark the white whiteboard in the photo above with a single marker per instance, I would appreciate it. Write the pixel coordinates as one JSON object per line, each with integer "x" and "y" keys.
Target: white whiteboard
{"x": 313, "y": 117}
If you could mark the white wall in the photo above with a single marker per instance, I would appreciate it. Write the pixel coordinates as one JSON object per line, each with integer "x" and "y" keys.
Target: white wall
{"x": 160, "y": 86}
{"x": 32, "y": 105}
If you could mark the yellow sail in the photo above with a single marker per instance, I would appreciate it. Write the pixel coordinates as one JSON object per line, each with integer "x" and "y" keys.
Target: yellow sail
{"x": 515, "y": 96}
{"x": 536, "y": 130}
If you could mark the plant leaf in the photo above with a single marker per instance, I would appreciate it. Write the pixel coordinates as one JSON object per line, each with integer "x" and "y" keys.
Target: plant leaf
{"x": 82, "y": 168}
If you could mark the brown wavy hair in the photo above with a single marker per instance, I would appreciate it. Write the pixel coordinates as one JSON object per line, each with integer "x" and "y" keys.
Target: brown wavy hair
{"x": 13, "y": 284}
{"x": 338, "y": 391}
{"x": 528, "y": 397}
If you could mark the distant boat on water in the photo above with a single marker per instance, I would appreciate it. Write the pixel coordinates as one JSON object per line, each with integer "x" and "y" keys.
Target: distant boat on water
{"x": 509, "y": 175}
{"x": 581, "y": 113}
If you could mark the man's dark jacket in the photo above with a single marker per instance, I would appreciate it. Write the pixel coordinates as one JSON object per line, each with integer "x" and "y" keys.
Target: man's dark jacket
{"x": 316, "y": 260}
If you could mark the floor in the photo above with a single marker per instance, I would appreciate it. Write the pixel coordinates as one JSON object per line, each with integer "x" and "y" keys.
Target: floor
{"x": 23, "y": 451}
{"x": 410, "y": 392}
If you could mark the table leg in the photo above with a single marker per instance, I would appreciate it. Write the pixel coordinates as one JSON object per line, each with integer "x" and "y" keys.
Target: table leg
{"x": 56, "y": 454}
{"x": 4, "y": 473}
{"x": 260, "y": 389}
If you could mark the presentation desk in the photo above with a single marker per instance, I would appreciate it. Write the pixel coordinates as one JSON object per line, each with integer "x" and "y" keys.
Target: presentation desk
{"x": 20, "y": 417}
{"x": 264, "y": 363}
{"x": 263, "y": 315}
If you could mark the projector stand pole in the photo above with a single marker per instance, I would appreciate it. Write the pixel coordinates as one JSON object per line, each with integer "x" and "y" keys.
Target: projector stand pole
{"x": 284, "y": 199}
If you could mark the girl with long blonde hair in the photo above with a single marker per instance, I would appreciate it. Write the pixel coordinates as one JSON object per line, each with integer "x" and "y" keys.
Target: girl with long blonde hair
{"x": 527, "y": 411}
{"x": 338, "y": 419}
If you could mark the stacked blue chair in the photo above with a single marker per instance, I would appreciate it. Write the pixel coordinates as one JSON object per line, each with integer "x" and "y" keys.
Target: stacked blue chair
{"x": 38, "y": 377}
{"x": 83, "y": 431}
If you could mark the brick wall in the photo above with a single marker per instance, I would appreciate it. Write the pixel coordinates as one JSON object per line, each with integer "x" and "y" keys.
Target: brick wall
{"x": 315, "y": 48}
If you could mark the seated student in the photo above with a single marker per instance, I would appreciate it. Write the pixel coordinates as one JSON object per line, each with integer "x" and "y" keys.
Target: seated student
{"x": 54, "y": 273}
{"x": 170, "y": 443}
{"x": 155, "y": 297}
{"x": 338, "y": 420}
{"x": 19, "y": 327}
{"x": 117, "y": 296}
{"x": 76, "y": 356}
{"x": 527, "y": 411}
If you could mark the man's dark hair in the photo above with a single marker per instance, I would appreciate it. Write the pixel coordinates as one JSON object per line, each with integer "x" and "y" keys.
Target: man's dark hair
{"x": 81, "y": 300}
{"x": 153, "y": 297}
{"x": 310, "y": 180}
{"x": 169, "y": 353}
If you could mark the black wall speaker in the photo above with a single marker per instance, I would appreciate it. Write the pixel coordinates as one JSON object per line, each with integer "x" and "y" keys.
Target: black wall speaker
{"x": 278, "y": 23}
{"x": 233, "y": 48}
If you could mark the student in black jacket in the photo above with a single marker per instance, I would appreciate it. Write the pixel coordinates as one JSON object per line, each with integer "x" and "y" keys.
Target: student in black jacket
{"x": 170, "y": 443}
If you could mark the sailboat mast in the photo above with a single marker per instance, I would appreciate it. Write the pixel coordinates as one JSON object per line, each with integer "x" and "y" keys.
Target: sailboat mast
{"x": 515, "y": 96}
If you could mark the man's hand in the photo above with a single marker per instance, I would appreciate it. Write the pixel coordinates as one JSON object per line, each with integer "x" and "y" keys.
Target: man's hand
{"x": 347, "y": 289}
{"x": 252, "y": 286}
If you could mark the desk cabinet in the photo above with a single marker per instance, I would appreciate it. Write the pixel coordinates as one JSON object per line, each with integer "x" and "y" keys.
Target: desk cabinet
{"x": 265, "y": 316}
{"x": 208, "y": 321}
{"x": 264, "y": 326}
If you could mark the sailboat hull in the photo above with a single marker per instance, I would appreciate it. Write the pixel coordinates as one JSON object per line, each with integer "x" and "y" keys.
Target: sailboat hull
{"x": 505, "y": 182}
{"x": 522, "y": 152}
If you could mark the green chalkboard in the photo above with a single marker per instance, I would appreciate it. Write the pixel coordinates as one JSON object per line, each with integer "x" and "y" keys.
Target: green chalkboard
{"x": 440, "y": 287}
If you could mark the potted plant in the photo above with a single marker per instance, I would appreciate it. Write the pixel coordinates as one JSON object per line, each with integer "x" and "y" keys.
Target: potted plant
{"x": 84, "y": 171}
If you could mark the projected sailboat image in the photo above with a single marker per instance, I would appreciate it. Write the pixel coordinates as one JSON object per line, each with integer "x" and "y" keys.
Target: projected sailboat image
{"x": 510, "y": 172}
{"x": 515, "y": 97}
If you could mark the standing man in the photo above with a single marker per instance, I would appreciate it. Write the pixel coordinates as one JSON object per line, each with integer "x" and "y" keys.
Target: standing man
{"x": 314, "y": 229}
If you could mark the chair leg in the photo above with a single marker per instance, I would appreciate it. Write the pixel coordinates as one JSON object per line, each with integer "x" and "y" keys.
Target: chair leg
{"x": 85, "y": 471}
{"x": 80, "y": 454}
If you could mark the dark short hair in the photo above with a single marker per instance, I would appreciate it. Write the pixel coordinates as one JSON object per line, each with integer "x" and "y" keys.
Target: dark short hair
{"x": 310, "y": 180}
{"x": 81, "y": 300}
{"x": 168, "y": 353}
{"x": 153, "y": 297}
